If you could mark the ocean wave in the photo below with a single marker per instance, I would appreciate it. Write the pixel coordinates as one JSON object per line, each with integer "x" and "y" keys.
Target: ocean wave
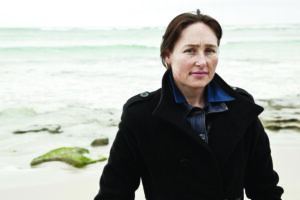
{"x": 238, "y": 27}
{"x": 90, "y": 46}
{"x": 261, "y": 27}
{"x": 261, "y": 41}
{"x": 74, "y": 46}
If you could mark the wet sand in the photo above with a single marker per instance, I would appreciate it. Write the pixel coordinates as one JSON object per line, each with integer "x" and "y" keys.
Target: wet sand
{"x": 59, "y": 181}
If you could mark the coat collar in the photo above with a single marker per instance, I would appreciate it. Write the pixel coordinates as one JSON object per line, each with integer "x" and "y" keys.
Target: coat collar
{"x": 227, "y": 128}
{"x": 168, "y": 110}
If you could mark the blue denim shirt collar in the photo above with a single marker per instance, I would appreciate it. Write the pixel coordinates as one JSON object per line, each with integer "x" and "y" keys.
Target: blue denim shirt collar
{"x": 214, "y": 94}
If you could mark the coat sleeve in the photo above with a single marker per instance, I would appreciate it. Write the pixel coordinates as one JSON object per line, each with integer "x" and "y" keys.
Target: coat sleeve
{"x": 121, "y": 175}
{"x": 261, "y": 179}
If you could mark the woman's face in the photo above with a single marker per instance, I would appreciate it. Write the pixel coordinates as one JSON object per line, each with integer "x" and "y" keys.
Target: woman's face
{"x": 195, "y": 57}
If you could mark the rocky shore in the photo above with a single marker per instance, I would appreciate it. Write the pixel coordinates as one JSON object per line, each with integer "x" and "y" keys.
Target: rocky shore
{"x": 281, "y": 114}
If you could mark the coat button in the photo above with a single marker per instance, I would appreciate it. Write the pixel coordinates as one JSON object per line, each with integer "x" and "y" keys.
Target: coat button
{"x": 144, "y": 94}
{"x": 202, "y": 136}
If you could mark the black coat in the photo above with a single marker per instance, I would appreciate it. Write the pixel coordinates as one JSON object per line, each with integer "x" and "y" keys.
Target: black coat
{"x": 156, "y": 144}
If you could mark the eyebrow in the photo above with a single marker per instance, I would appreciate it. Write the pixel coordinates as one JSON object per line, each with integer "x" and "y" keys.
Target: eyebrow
{"x": 197, "y": 45}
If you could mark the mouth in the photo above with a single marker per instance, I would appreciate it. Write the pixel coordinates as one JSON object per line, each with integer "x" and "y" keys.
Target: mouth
{"x": 199, "y": 73}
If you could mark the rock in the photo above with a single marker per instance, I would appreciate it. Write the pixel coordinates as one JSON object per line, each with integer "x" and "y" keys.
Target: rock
{"x": 71, "y": 155}
{"x": 281, "y": 114}
{"x": 278, "y": 124}
{"x": 100, "y": 142}
{"x": 51, "y": 128}
{"x": 114, "y": 124}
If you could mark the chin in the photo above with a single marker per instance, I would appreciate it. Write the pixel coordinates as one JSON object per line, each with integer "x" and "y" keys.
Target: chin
{"x": 198, "y": 86}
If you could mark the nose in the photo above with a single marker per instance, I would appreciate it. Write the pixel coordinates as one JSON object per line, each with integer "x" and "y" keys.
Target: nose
{"x": 201, "y": 60}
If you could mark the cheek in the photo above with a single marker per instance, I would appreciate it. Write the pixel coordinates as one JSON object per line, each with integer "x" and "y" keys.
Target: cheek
{"x": 214, "y": 63}
{"x": 182, "y": 67}
{"x": 185, "y": 64}
{"x": 180, "y": 71}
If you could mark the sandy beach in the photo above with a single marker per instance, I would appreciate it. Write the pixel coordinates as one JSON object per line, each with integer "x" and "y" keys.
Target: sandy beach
{"x": 59, "y": 181}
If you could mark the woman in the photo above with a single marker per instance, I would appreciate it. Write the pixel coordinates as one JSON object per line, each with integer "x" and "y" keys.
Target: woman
{"x": 196, "y": 137}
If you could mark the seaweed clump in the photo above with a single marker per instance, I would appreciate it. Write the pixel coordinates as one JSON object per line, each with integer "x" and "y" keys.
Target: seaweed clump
{"x": 71, "y": 155}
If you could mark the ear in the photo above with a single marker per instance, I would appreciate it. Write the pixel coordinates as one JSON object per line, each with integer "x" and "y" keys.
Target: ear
{"x": 167, "y": 57}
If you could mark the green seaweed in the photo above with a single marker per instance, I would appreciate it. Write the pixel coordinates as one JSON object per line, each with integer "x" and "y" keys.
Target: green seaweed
{"x": 71, "y": 155}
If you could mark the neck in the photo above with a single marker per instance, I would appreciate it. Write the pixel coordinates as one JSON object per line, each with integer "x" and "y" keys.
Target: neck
{"x": 194, "y": 96}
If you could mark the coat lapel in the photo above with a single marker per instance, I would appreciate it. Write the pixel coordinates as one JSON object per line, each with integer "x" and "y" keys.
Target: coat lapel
{"x": 227, "y": 130}
{"x": 228, "y": 127}
{"x": 169, "y": 111}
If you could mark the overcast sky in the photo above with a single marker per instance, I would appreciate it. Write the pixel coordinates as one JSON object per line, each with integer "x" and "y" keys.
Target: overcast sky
{"x": 136, "y": 13}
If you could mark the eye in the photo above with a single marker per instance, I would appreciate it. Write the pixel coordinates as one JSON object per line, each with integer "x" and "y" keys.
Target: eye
{"x": 209, "y": 50}
{"x": 190, "y": 51}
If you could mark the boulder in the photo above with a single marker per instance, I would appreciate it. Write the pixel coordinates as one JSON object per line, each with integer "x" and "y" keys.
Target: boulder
{"x": 50, "y": 128}
{"x": 71, "y": 155}
{"x": 100, "y": 142}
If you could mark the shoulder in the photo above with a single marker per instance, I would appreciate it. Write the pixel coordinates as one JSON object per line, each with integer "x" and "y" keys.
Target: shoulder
{"x": 243, "y": 93}
{"x": 141, "y": 98}
{"x": 236, "y": 92}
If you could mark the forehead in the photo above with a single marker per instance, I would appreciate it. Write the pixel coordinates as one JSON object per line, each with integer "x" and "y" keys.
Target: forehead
{"x": 198, "y": 33}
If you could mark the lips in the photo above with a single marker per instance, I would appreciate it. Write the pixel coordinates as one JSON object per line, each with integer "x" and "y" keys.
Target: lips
{"x": 199, "y": 73}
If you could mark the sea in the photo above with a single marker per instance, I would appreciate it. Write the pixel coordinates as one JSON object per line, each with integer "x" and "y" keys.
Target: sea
{"x": 79, "y": 79}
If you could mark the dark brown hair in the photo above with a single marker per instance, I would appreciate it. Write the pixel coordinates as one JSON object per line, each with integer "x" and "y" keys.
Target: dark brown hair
{"x": 179, "y": 23}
